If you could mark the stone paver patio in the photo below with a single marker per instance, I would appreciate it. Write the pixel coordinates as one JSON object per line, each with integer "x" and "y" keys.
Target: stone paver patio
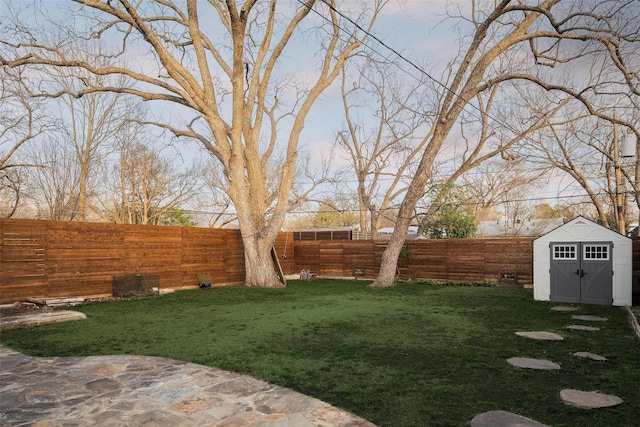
{"x": 149, "y": 391}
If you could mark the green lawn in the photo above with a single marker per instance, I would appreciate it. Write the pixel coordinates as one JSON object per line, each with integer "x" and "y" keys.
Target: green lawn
{"x": 412, "y": 355}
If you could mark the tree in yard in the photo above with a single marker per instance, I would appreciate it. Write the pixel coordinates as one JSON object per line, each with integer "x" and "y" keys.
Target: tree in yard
{"x": 21, "y": 120}
{"x": 383, "y": 118}
{"x": 144, "y": 187}
{"x": 579, "y": 146}
{"x": 528, "y": 43}
{"x": 91, "y": 122}
{"x": 178, "y": 217}
{"x": 53, "y": 183}
{"x": 453, "y": 220}
{"x": 227, "y": 68}
{"x": 546, "y": 211}
{"x": 338, "y": 213}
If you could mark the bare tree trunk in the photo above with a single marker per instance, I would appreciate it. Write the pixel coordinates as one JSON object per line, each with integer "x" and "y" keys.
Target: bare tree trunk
{"x": 388, "y": 265}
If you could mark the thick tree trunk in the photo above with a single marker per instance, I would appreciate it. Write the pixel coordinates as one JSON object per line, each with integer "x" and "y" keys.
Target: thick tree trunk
{"x": 389, "y": 262}
{"x": 258, "y": 234}
{"x": 259, "y": 266}
{"x": 388, "y": 265}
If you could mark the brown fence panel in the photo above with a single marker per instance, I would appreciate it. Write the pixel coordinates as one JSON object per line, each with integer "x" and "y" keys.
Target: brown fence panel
{"x": 331, "y": 256}
{"x": 45, "y": 259}
{"x": 234, "y": 256}
{"x": 22, "y": 259}
{"x": 81, "y": 258}
{"x": 457, "y": 260}
{"x": 307, "y": 256}
{"x": 360, "y": 255}
{"x": 427, "y": 259}
{"x": 154, "y": 251}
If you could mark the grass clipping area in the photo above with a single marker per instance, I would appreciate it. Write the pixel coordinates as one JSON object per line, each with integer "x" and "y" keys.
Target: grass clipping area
{"x": 413, "y": 355}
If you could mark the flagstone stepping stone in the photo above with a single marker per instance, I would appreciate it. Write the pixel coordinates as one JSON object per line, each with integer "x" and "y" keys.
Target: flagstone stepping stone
{"x": 583, "y": 328}
{"x": 588, "y": 317}
{"x": 588, "y": 399}
{"x": 503, "y": 419}
{"x": 541, "y": 335}
{"x": 564, "y": 308}
{"x": 528, "y": 363}
{"x": 591, "y": 356}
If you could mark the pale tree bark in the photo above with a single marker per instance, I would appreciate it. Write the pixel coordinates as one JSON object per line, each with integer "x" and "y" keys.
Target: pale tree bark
{"x": 231, "y": 76}
{"x": 517, "y": 41}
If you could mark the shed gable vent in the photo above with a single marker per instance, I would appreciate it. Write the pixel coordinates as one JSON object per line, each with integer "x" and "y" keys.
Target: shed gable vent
{"x": 581, "y": 222}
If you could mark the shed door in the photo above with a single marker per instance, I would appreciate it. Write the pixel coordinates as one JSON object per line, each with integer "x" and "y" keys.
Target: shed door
{"x": 582, "y": 272}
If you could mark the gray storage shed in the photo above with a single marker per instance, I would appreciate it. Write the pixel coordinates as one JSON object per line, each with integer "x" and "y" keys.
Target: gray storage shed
{"x": 582, "y": 262}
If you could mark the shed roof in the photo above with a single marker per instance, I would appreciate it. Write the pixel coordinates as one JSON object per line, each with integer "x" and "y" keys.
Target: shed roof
{"x": 581, "y": 228}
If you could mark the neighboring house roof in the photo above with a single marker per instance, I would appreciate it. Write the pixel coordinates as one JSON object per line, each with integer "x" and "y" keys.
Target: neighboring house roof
{"x": 330, "y": 229}
{"x": 525, "y": 228}
{"x": 412, "y": 233}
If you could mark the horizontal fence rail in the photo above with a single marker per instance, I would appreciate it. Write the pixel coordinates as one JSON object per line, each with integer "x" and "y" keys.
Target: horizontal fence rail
{"x": 54, "y": 259}
{"x": 454, "y": 260}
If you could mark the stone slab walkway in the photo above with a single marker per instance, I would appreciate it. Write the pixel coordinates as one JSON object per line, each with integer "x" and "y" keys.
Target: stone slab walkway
{"x": 22, "y": 321}
{"x": 588, "y": 355}
{"x": 141, "y": 391}
{"x": 529, "y": 363}
{"x": 588, "y": 399}
{"x": 588, "y": 318}
{"x": 503, "y": 419}
{"x": 583, "y": 328}
{"x": 564, "y": 308}
{"x": 541, "y": 335}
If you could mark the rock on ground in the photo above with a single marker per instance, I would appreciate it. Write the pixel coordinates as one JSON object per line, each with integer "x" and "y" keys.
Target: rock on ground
{"x": 541, "y": 335}
{"x": 528, "y": 363}
{"x": 503, "y": 419}
{"x": 588, "y": 399}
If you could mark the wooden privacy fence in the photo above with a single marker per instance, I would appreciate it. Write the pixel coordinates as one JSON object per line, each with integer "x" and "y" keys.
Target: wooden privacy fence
{"x": 456, "y": 259}
{"x": 49, "y": 259}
